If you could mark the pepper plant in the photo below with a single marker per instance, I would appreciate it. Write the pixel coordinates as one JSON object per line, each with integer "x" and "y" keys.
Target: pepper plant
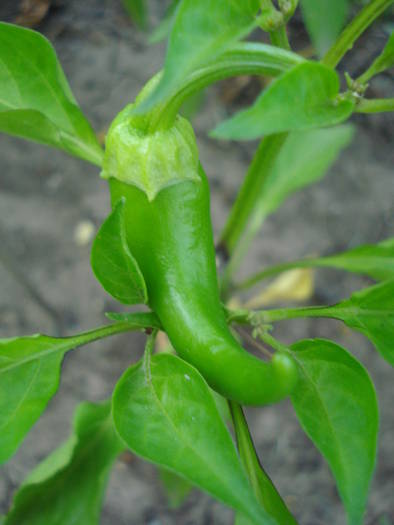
{"x": 178, "y": 408}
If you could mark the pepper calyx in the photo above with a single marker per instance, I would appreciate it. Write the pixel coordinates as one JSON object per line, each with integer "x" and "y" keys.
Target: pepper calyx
{"x": 148, "y": 160}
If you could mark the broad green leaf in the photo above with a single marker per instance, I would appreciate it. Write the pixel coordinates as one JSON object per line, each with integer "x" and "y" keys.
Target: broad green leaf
{"x": 165, "y": 412}
{"x": 304, "y": 158}
{"x": 282, "y": 165}
{"x": 324, "y": 21}
{"x": 164, "y": 28}
{"x": 29, "y": 376}
{"x": 374, "y": 260}
{"x": 336, "y": 404}
{"x": 36, "y": 102}
{"x": 384, "y": 61}
{"x": 371, "y": 312}
{"x": 68, "y": 487}
{"x": 138, "y": 11}
{"x": 200, "y": 32}
{"x": 113, "y": 264}
{"x": 305, "y": 97}
{"x": 176, "y": 488}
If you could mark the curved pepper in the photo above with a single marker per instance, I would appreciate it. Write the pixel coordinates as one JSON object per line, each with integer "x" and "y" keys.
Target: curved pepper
{"x": 169, "y": 232}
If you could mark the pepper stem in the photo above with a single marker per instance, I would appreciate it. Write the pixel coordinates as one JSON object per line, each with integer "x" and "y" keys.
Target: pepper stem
{"x": 352, "y": 32}
{"x": 265, "y": 491}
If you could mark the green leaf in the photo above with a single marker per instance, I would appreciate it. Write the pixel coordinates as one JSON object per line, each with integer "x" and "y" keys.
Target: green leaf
{"x": 165, "y": 412}
{"x": 138, "y": 11}
{"x": 374, "y": 260}
{"x": 29, "y": 376}
{"x": 176, "y": 488}
{"x": 303, "y": 98}
{"x": 113, "y": 264}
{"x": 164, "y": 28}
{"x": 282, "y": 165}
{"x": 324, "y": 21}
{"x": 371, "y": 312}
{"x": 36, "y": 102}
{"x": 200, "y": 32}
{"x": 336, "y": 404}
{"x": 384, "y": 61}
{"x": 304, "y": 158}
{"x": 68, "y": 486}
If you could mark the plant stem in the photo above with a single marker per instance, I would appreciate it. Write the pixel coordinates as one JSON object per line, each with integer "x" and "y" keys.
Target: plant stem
{"x": 256, "y": 344}
{"x": 135, "y": 321}
{"x": 246, "y": 216}
{"x": 262, "y": 485}
{"x": 245, "y": 58}
{"x": 352, "y": 32}
{"x": 150, "y": 343}
{"x": 272, "y": 342}
{"x": 270, "y": 316}
{"x": 296, "y": 313}
{"x": 377, "y": 105}
{"x": 273, "y": 21}
{"x": 249, "y": 193}
{"x": 279, "y": 38}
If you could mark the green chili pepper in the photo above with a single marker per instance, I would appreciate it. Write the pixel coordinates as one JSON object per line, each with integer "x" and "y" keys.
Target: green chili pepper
{"x": 169, "y": 232}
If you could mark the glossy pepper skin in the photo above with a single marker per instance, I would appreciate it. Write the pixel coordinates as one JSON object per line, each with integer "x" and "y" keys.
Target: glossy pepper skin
{"x": 168, "y": 229}
{"x": 171, "y": 239}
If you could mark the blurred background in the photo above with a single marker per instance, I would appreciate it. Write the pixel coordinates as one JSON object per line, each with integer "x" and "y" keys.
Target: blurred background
{"x": 51, "y": 205}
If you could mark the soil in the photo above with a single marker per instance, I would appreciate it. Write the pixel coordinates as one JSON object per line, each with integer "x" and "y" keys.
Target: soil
{"x": 51, "y": 203}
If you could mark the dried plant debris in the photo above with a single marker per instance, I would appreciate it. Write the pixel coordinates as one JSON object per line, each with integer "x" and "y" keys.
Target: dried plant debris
{"x": 32, "y": 12}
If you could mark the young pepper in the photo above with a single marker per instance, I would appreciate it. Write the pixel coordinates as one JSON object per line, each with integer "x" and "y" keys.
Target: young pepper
{"x": 169, "y": 232}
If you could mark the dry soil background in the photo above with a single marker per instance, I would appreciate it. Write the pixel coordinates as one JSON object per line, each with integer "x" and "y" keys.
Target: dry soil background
{"x": 46, "y": 283}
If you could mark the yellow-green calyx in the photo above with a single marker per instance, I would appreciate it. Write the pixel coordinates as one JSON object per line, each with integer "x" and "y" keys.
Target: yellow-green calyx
{"x": 150, "y": 160}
